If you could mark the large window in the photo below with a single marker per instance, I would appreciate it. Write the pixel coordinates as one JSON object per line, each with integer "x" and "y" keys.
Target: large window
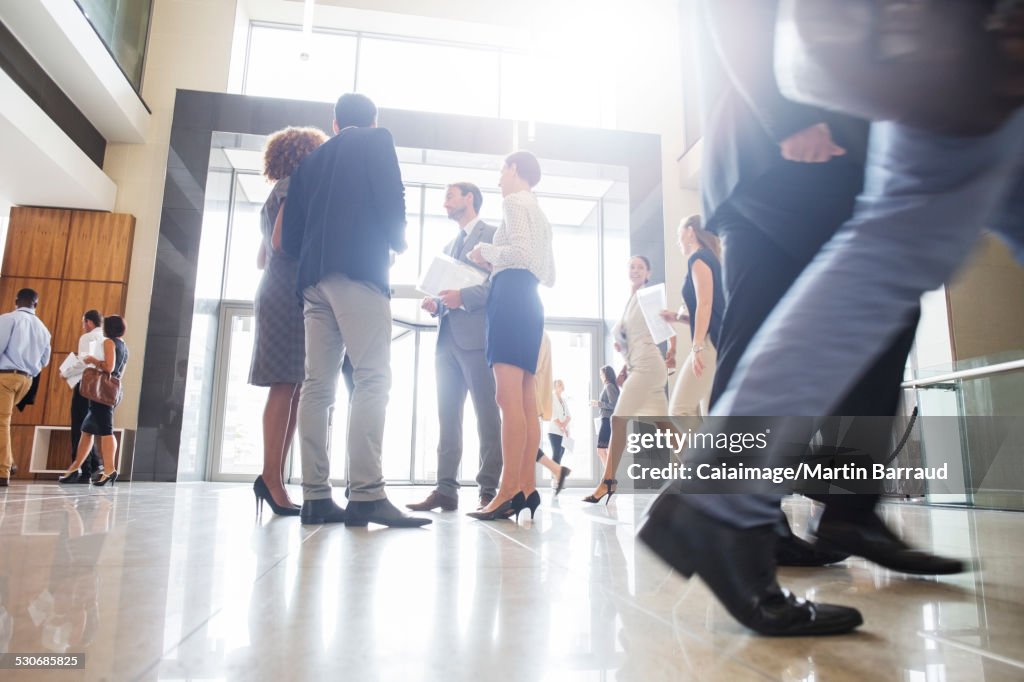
{"x": 424, "y": 75}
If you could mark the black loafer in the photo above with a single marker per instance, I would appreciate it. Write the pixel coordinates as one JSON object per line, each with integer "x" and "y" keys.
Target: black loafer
{"x": 869, "y": 537}
{"x": 738, "y": 565}
{"x": 794, "y": 551}
{"x": 382, "y": 512}
{"x": 321, "y": 511}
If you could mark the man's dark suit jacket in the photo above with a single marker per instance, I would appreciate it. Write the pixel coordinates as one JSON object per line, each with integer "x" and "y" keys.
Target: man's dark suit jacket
{"x": 345, "y": 209}
{"x": 746, "y": 116}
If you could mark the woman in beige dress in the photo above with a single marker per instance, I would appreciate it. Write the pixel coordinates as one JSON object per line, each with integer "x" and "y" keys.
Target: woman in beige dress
{"x": 643, "y": 394}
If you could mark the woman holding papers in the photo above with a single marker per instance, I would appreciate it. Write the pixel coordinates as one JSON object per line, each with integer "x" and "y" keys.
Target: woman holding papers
{"x": 99, "y": 420}
{"x": 278, "y": 353}
{"x": 520, "y": 258}
{"x": 704, "y": 297}
{"x": 643, "y": 393}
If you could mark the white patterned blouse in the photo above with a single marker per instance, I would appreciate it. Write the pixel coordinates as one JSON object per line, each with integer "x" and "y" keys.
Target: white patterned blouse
{"x": 523, "y": 241}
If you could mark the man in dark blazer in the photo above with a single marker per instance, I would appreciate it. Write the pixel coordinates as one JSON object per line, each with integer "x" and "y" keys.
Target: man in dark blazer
{"x": 343, "y": 217}
{"x": 461, "y": 363}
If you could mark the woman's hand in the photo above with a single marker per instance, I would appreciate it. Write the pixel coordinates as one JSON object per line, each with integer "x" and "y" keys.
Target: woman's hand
{"x": 595, "y": 403}
{"x": 698, "y": 360}
{"x": 477, "y": 256}
{"x": 618, "y": 347}
{"x": 90, "y": 360}
{"x": 668, "y": 315}
{"x": 670, "y": 358}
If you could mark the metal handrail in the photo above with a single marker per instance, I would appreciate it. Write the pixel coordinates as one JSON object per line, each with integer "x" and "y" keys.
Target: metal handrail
{"x": 974, "y": 373}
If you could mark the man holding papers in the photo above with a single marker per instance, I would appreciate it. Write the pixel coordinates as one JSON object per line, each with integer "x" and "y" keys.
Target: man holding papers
{"x": 460, "y": 361}
{"x": 89, "y": 343}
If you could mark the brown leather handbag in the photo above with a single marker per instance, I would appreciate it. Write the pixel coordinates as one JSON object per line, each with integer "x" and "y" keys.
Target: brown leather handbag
{"x": 954, "y": 67}
{"x": 100, "y": 387}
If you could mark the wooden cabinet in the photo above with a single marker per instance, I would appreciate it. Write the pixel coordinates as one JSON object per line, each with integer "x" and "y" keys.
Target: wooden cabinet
{"x": 76, "y": 260}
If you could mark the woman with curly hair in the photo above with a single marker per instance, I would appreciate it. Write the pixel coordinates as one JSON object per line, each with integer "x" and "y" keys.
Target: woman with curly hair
{"x": 279, "y": 353}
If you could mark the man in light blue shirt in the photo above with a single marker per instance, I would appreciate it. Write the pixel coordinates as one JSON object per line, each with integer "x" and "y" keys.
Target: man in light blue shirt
{"x": 25, "y": 344}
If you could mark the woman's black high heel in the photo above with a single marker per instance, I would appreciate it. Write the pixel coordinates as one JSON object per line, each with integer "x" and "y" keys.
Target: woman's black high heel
{"x": 103, "y": 480}
{"x": 503, "y": 511}
{"x": 532, "y": 502}
{"x": 262, "y": 493}
{"x": 608, "y": 483}
{"x": 70, "y": 476}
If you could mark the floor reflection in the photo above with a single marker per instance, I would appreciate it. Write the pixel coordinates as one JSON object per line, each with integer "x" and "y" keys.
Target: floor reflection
{"x": 157, "y": 581}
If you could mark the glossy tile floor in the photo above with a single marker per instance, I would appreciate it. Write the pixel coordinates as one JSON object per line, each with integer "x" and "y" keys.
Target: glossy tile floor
{"x": 161, "y": 581}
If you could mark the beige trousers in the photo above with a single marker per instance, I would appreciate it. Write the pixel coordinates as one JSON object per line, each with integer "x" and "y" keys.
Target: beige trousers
{"x": 13, "y": 388}
{"x": 691, "y": 393}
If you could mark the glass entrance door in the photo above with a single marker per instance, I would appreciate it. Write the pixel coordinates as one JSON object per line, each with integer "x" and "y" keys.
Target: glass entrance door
{"x": 411, "y": 431}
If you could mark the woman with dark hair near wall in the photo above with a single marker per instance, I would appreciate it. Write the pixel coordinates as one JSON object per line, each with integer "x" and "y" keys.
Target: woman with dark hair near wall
{"x": 279, "y": 353}
{"x": 99, "y": 421}
{"x": 704, "y": 299}
{"x": 520, "y": 258}
{"x": 606, "y": 403}
{"x": 643, "y": 393}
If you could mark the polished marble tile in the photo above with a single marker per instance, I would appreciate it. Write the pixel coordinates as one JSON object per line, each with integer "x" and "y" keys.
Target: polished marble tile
{"x": 160, "y": 581}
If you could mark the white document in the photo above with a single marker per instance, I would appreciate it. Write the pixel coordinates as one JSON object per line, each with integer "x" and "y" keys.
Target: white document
{"x": 71, "y": 369}
{"x": 569, "y": 443}
{"x": 652, "y": 300}
{"x": 445, "y": 273}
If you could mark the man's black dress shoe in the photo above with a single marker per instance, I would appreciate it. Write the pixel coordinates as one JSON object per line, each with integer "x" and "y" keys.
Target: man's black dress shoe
{"x": 868, "y": 536}
{"x": 738, "y": 565}
{"x": 382, "y": 512}
{"x": 791, "y": 550}
{"x": 321, "y": 511}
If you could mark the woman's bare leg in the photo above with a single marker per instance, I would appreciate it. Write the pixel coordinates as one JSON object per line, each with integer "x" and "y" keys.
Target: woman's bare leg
{"x": 616, "y": 446}
{"x": 528, "y": 470}
{"x": 508, "y": 381}
{"x": 278, "y": 429}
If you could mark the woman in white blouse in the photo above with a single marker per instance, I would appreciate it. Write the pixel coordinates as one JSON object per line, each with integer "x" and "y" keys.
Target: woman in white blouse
{"x": 520, "y": 258}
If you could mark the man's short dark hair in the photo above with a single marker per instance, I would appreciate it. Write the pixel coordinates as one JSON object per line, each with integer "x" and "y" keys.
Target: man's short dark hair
{"x": 470, "y": 188}
{"x": 94, "y": 316}
{"x": 527, "y": 166}
{"x": 354, "y": 109}
{"x": 29, "y": 297}
{"x": 114, "y": 327}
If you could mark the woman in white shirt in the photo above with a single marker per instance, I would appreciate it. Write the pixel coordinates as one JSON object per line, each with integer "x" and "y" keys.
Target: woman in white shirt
{"x": 520, "y": 258}
{"x": 558, "y": 427}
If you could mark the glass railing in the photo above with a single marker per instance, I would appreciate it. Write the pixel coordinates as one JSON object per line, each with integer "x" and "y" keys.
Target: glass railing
{"x": 972, "y": 412}
{"x": 123, "y": 26}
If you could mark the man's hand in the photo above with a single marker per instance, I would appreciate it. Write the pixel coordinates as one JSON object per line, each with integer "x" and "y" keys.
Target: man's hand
{"x": 452, "y": 298}
{"x": 811, "y": 145}
{"x": 429, "y": 304}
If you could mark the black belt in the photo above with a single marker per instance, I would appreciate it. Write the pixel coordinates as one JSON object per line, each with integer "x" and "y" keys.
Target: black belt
{"x": 15, "y": 371}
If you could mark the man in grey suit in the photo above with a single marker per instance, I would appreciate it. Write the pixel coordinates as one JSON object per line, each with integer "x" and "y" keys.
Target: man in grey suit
{"x": 461, "y": 364}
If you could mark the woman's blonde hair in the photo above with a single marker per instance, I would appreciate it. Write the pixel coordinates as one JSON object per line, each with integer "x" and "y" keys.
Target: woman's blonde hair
{"x": 286, "y": 149}
{"x": 705, "y": 238}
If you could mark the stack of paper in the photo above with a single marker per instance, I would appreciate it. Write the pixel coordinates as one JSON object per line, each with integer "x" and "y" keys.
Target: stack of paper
{"x": 447, "y": 274}
{"x": 652, "y": 300}
{"x": 71, "y": 369}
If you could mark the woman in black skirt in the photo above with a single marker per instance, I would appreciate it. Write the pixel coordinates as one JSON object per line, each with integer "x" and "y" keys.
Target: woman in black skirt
{"x": 99, "y": 422}
{"x": 520, "y": 258}
{"x": 609, "y": 397}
